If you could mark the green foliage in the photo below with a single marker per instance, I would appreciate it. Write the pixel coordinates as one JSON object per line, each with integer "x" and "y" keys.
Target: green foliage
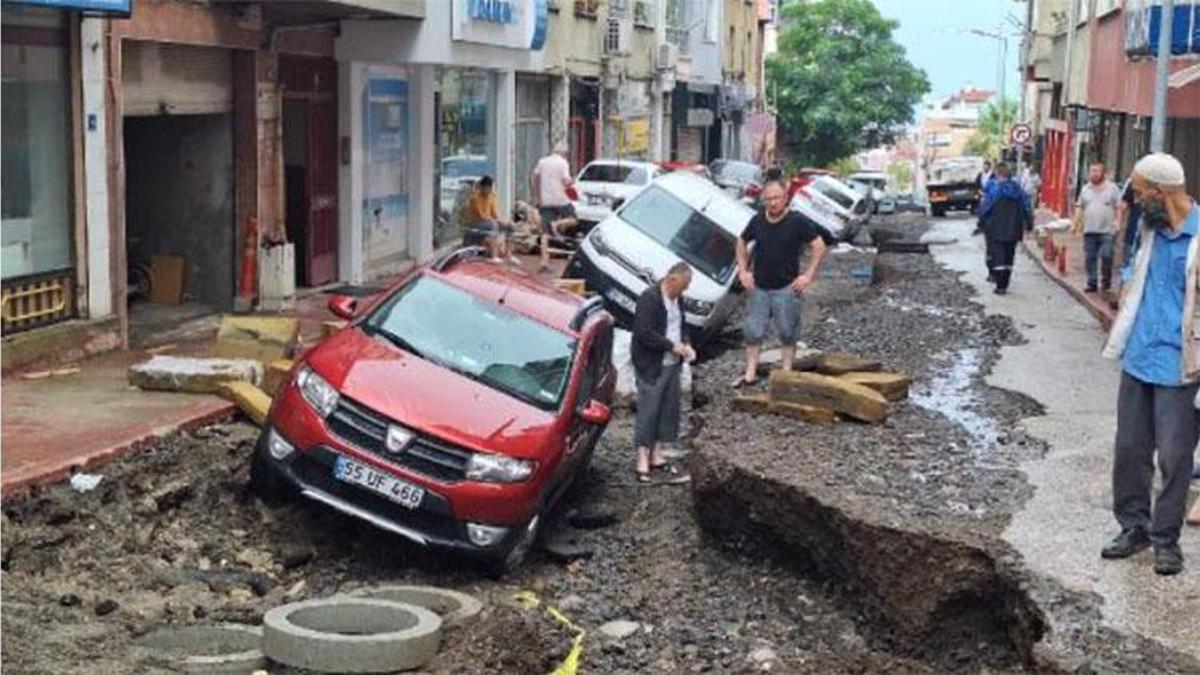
{"x": 991, "y": 135}
{"x": 844, "y": 166}
{"x": 839, "y": 81}
{"x": 900, "y": 176}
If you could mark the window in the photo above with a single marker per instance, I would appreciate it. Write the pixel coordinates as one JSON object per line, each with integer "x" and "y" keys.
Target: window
{"x": 643, "y": 13}
{"x": 477, "y": 338}
{"x": 598, "y": 360}
{"x": 587, "y": 8}
{"x": 466, "y": 141}
{"x": 36, "y": 194}
{"x": 686, "y": 232}
{"x": 613, "y": 173}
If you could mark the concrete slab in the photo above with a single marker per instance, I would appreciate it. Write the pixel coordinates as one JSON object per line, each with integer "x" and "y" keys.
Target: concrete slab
{"x": 1063, "y": 526}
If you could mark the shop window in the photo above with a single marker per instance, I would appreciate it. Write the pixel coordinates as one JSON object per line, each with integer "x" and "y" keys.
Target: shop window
{"x": 467, "y": 146}
{"x": 35, "y": 196}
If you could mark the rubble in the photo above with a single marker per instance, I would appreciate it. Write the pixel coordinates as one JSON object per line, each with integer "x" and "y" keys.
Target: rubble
{"x": 191, "y": 374}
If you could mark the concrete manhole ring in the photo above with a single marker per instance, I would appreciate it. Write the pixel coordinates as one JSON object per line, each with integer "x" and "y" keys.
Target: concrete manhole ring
{"x": 217, "y": 648}
{"x": 345, "y": 634}
{"x": 453, "y": 606}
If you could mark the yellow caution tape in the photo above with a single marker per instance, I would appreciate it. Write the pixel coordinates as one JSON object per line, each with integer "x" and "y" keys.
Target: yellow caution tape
{"x": 570, "y": 665}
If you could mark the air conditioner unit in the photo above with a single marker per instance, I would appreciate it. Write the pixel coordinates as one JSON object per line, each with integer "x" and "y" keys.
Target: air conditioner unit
{"x": 668, "y": 54}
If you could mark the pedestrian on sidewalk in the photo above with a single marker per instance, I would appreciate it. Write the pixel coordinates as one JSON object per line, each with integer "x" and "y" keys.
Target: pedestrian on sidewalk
{"x": 548, "y": 185}
{"x": 1006, "y": 217}
{"x": 1096, "y": 213}
{"x": 771, "y": 275}
{"x": 1157, "y": 337}
{"x": 659, "y": 347}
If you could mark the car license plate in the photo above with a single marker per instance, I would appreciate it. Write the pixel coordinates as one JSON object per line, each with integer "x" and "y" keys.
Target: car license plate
{"x": 623, "y": 301}
{"x": 596, "y": 200}
{"x": 400, "y": 491}
{"x": 963, "y": 193}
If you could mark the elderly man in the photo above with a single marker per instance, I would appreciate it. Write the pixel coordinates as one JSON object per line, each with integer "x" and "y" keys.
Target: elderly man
{"x": 549, "y": 184}
{"x": 659, "y": 347}
{"x": 771, "y": 275}
{"x": 1157, "y": 337}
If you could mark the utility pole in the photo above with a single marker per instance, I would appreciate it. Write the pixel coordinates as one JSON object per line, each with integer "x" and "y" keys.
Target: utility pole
{"x": 1158, "y": 123}
{"x": 1003, "y": 88}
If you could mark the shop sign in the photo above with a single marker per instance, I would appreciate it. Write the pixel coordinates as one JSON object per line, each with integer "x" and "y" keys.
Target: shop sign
{"x": 519, "y": 24}
{"x": 700, "y": 117}
{"x": 635, "y": 136}
{"x": 111, "y": 6}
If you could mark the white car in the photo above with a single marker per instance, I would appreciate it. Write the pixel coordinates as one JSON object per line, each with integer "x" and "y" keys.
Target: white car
{"x": 877, "y": 183}
{"x": 835, "y": 228}
{"x": 851, "y": 207}
{"x": 679, "y": 216}
{"x": 606, "y": 182}
{"x": 459, "y": 172}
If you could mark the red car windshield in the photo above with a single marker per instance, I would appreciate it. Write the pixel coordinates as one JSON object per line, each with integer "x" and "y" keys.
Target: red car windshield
{"x": 477, "y": 338}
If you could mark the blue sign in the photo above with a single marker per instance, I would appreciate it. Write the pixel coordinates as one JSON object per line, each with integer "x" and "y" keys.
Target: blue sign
{"x": 115, "y": 6}
{"x": 494, "y": 11}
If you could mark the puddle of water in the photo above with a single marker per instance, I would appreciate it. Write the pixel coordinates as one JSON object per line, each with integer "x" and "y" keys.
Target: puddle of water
{"x": 890, "y": 301}
{"x": 950, "y": 395}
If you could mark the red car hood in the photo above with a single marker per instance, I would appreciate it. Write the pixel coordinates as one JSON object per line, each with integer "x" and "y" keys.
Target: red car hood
{"x": 427, "y": 397}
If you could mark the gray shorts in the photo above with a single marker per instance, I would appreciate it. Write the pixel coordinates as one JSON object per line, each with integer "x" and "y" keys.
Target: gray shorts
{"x": 780, "y": 307}
{"x": 550, "y": 214}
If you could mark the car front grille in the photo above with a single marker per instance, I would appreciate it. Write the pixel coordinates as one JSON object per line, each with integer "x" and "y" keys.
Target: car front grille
{"x": 366, "y": 429}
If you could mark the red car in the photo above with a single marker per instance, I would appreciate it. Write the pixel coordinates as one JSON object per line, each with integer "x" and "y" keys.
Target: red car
{"x": 454, "y": 410}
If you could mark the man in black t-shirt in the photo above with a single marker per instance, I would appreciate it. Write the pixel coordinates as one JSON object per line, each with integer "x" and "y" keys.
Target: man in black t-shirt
{"x": 771, "y": 275}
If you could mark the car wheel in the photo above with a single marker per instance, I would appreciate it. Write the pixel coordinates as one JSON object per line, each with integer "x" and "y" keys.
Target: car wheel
{"x": 265, "y": 480}
{"x": 515, "y": 556}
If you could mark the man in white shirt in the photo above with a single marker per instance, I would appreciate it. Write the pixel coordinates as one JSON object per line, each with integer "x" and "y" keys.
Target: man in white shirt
{"x": 548, "y": 185}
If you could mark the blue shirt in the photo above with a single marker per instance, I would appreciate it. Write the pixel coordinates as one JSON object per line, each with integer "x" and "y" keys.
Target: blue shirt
{"x": 1154, "y": 352}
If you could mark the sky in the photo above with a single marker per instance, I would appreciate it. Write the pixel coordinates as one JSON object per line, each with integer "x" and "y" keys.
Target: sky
{"x": 933, "y": 32}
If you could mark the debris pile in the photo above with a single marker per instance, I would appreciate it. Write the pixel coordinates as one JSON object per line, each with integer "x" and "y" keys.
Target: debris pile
{"x": 826, "y": 386}
{"x": 251, "y": 361}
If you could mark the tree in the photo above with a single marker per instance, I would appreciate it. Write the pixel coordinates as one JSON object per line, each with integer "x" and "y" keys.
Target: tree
{"x": 991, "y": 133}
{"x": 839, "y": 81}
{"x": 900, "y": 175}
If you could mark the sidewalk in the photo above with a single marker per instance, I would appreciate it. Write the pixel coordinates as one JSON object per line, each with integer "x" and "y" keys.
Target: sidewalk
{"x": 1102, "y": 306}
{"x": 54, "y": 426}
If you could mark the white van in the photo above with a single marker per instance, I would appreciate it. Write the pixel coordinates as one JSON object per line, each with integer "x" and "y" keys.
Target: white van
{"x": 679, "y": 216}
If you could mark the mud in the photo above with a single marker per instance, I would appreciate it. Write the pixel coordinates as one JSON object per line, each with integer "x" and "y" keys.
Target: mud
{"x": 172, "y": 537}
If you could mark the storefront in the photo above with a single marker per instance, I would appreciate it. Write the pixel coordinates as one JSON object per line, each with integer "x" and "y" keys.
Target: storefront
{"x": 39, "y": 250}
{"x": 465, "y": 113}
{"x": 44, "y": 243}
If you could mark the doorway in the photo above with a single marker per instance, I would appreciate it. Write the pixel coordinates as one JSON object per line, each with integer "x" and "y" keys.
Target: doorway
{"x": 310, "y": 166}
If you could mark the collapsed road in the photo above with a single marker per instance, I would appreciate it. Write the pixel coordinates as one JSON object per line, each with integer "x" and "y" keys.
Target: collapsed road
{"x": 797, "y": 548}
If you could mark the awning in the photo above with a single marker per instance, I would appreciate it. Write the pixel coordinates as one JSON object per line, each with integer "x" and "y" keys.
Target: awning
{"x": 1182, "y": 78}
{"x": 306, "y": 12}
{"x": 113, "y": 6}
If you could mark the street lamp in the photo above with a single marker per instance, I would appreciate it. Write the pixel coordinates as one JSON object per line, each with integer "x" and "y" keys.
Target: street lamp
{"x": 1002, "y": 39}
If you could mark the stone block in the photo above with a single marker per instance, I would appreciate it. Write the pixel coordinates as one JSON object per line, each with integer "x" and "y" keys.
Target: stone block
{"x": 276, "y": 374}
{"x": 262, "y": 338}
{"x": 252, "y": 400}
{"x": 192, "y": 375}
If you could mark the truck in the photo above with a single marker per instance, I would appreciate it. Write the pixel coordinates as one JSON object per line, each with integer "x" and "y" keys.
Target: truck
{"x": 952, "y": 184}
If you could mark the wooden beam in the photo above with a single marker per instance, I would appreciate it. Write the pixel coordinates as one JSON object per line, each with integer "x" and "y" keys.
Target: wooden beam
{"x": 821, "y": 391}
{"x": 839, "y": 363}
{"x": 893, "y": 386}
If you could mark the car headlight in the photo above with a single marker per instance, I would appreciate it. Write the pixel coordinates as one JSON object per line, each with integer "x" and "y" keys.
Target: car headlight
{"x": 698, "y": 307}
{"x": 498, "y": 468}
{"x": 319, "y": 393}
{"x": 598, "y": 241}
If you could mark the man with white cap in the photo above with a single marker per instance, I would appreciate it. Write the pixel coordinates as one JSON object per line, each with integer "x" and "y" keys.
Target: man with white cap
{"x": 1157, "y": 337}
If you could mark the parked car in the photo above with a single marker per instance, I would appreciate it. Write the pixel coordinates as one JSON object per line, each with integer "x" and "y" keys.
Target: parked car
{"x": 909, "y": 203}
{"x": 739, "y": 179}
{"x": 677, "y": 217}
{"x": 458, "y": 174}
{"x": 454, "y": 410}
{"x": 604, "y": 183}
{"x": 877, "y": 182}
{"x": 851, "y": 207}
{"x": 831, "y": 228}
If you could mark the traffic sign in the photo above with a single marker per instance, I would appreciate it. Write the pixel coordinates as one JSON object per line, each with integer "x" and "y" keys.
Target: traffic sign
{"x": 1020, "y": 134}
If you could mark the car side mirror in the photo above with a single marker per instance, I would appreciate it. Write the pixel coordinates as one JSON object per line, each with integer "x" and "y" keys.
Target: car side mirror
{"x": 343, "y": 306}
{"x": 596, "y": 413}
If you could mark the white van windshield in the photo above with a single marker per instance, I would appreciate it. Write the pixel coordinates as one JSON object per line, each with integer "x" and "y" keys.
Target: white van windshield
{"x": 687, "y": 232}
